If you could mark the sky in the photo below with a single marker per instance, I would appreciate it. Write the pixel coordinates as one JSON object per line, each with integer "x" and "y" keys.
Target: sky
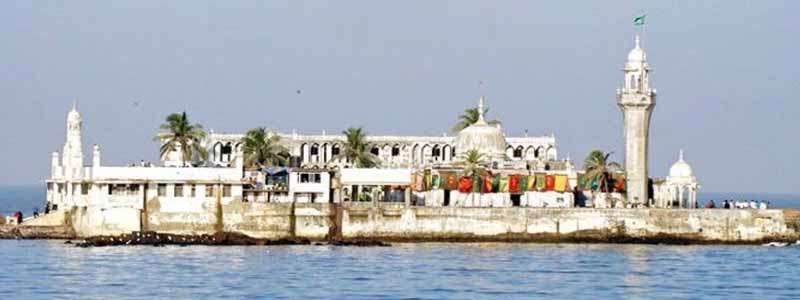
{"x": 725, "y": 72}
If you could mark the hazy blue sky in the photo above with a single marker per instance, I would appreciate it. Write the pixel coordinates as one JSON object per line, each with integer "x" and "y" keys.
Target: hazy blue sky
{"x": 726, "y": 73}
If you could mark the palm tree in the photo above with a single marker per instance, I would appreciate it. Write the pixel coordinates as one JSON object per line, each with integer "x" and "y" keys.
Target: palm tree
{"x": 599, "y": 169}
{"x": 469, "y": 117}
{"x": 472, "y": 161}
{"x": 178, "y": 134}
{"x": 356, "y": 150}
{"x": 260, "y": 149}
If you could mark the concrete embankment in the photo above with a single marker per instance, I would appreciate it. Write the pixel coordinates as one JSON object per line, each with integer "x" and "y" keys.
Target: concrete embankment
{"x": 397, "y": 223}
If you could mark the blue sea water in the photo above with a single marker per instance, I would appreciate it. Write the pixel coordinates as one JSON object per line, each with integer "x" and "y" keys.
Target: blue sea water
{"x": 54, "y": 270}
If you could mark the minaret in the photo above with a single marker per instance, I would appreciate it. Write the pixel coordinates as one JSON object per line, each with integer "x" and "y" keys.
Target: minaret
{"x": 72, "y": 155}
{"x": 636, "y": 100}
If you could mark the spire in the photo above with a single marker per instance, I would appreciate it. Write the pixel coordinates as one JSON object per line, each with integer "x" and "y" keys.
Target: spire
{"x": 480, "y": 111}
{"x": 637, "y": 42}
{"x": 680, "y": 155}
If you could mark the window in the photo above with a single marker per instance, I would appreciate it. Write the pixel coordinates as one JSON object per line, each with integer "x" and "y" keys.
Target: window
{"x": 317, "y": 178}
{"x": 209, "y": 190}
{"x": 226, "y": 190}
{"x": 162, "y": 190}
{"x": 303, "y": 177}
{"x": 315, "y": 150}
{"x": 395, "y": 151}
{"x": 178, "y": 190}
{"x": 436, "y": 152}
{"x": 110, "y": 189}
{"x": 335, "y": 150}
{"x": 84, "y": 189}
{"x": 50, "y": 186}
{"x": 193, "y": 191}
{"x": 518, "y": 152}
{"x": 133, "y": 189}
{"x": 375, "y": 150}
{"x": 75, "y": 188}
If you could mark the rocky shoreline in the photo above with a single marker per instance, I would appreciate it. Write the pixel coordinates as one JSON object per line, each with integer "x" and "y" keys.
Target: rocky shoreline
{"x": 218, "y": 239}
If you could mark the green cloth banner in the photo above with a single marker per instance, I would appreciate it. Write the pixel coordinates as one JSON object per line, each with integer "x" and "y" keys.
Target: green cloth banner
{"x": 477, "y": 184}
{"x": 540, "y": 183}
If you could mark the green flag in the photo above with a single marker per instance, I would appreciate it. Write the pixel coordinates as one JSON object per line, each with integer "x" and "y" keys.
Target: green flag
{"x": 639, "y": 21}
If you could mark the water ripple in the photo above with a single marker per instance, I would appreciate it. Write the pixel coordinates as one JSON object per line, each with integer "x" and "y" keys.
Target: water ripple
{"x": 51, "y": 269}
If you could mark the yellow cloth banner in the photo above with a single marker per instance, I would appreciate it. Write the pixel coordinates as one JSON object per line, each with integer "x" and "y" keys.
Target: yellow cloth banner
{"x": 561, "y": 183}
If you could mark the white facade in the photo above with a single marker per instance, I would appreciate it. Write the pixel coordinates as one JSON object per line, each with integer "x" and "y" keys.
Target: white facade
{"x": 636, "y": 100}
{"x": 319, "y": 151}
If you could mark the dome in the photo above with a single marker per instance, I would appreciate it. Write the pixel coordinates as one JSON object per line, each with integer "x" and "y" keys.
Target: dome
{"x": 481, "y": 136}
{"x": 637, "y": 53}
{"x": 680, "y": 169}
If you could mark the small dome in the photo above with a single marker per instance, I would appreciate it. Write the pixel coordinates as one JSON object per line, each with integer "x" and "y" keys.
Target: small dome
{"x": 637, "y": 53}
{"x": 681, "y": 169}
{"x": 481, "y": 136}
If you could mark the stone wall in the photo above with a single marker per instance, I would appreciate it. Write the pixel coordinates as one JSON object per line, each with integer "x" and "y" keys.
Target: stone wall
{"x": 396, "y": 222}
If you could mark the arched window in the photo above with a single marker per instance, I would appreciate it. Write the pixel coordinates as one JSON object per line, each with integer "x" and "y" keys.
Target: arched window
{"x": 518, "y": 152}
{"x": 633, "y": 82}
{"x": 335, "y": 150}
{"x": 314, "y": 149}
{"x": 226, "y": 152}
{"x": 375, "y": 150}
{"x": 396, "y": 150}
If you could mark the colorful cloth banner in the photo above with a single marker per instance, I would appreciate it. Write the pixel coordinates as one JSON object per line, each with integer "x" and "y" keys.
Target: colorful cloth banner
{"x": 513, "y": 183}
{"x": 531, "y": 186}
{"x": 476, "y": 184}
{"x": 620, "y": 184}
{"x": 550, "y": 182}
{"x": 540, "y": 182}
{"x": 428, "y": 180}
{"x": 419, "y": 184}
{"x": 436, "y": 182}
{"x": 523, "y": 183}
{"x": 503, "y": 184}
{"x": 449, "y": 181}
{"x": 487, "y": 183}
{"x": 561, "y": 183}
{"x": 496, "y": 183}
{"x": 465, "y": 184}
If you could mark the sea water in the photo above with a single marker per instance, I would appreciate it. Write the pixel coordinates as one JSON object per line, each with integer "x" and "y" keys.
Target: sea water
{"x": 54, "y": 270}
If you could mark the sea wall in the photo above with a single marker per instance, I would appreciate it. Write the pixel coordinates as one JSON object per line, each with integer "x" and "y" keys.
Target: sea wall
{"x": 397, "y": 222}
{"x": 520, "y": 224}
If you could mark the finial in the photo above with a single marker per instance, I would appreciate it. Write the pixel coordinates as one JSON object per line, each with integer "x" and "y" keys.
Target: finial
{"x": 480, "y": 110}
{"x": 75, "y": 105}
{"x": 680, "y": 155}
{"x": 637, "y": 41}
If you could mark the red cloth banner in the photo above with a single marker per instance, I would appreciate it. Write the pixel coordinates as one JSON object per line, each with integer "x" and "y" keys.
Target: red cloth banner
{"x": 465, "y": 184}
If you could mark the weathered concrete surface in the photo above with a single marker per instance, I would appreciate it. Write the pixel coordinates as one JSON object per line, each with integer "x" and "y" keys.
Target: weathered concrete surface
{"x": 395, "y": 222}
{"x": 546, "y": 225}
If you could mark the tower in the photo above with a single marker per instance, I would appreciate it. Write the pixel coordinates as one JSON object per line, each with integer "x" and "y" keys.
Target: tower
{"x": 636, "y": 100}
{"x": 72, "y": 155}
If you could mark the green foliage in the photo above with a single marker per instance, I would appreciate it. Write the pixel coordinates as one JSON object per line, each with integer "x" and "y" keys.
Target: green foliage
{"x": 472, "y": 162}
{"x": 598, "y": 169}
{"x": 179, "y": 134}
{"x": 356, "y": 150}
{"x": 262, "y": 150}
{"x": 469, "y": 117}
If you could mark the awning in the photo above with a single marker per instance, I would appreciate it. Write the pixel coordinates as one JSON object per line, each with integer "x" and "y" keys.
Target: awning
{"x": 376, "y": 176}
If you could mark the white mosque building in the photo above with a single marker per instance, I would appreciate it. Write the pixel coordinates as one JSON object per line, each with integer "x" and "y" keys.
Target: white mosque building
{"x": 316, "y": 176}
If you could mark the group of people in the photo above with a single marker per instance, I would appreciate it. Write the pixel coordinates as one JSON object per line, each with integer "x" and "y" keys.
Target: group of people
{"x": 736, "y": 204}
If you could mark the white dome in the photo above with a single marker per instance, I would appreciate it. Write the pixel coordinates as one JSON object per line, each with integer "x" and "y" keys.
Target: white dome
{"x": 481, "y": 136}
{"x": 681, "y": 169}
{"x": 637, "y": 54}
